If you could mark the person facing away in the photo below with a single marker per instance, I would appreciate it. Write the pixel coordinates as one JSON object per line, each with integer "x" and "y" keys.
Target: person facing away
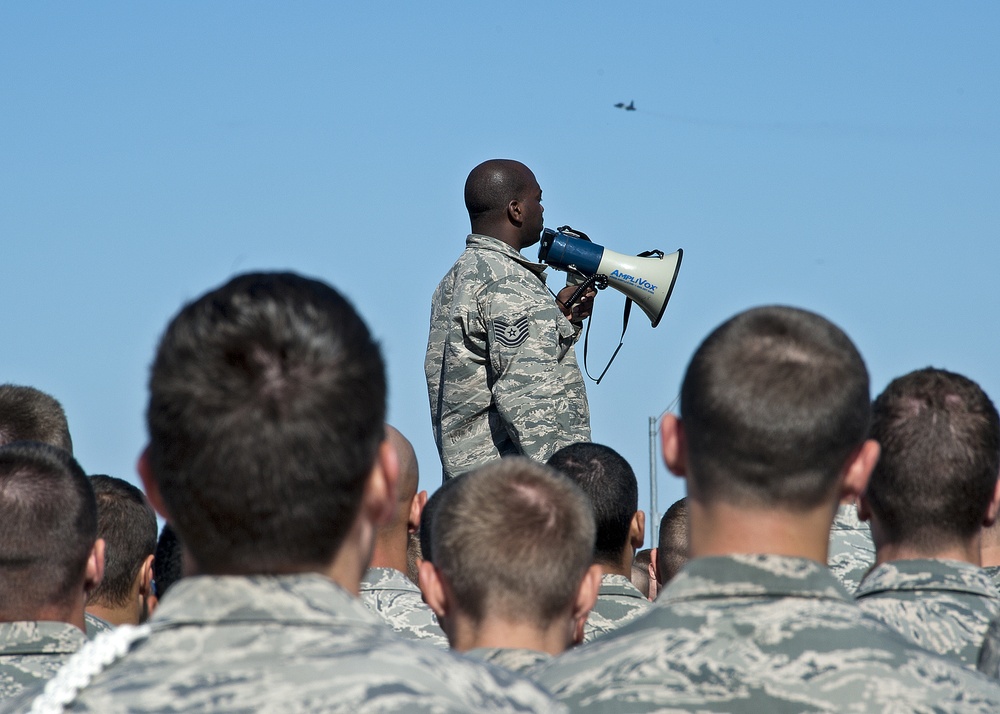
{"x": 613, "y": 492}
{"x": 385, "y": 588}
{"x": 29, "y": 414}
{"x": 127, "y": 524}
{"x": 933, "y": 489}
{"x": 168, "y": 561}
{"x": 772, "y": 436}
{"x": 502, "y": 375}
{"x": 643, "y": 573}
{"x": 50, "y": 561}
{"x": 511, "y": 577}
{"x": 674, "y": 547}
{"x": 267, "y": 454}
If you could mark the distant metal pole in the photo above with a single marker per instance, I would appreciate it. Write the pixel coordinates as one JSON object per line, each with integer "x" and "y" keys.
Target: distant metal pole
{"x": 654, "y": 509}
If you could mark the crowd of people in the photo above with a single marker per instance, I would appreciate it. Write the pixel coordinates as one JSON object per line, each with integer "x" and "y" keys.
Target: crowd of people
{"x": 831, "y": 554}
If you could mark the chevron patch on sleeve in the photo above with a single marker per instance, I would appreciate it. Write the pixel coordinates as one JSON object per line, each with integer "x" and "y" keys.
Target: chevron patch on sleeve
{"x": 511, "y": 334}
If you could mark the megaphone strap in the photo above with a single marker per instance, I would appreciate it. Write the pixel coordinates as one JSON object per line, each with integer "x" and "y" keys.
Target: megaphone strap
{"x": 621, "y": 341}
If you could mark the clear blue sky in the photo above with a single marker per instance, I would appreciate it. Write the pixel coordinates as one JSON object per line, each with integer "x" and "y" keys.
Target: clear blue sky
{"x": 842, "y": 157}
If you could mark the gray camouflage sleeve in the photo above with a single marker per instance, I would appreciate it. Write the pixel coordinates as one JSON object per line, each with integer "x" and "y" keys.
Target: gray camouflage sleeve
{"x": 533, "y": 374}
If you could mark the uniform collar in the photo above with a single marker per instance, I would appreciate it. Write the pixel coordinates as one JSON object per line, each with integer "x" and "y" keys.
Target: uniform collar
{"x": 481, "y": 242}
{"x": 40, "y": 637}
{"x": 928, "y": 574}
{"x": 387, "y": 579}
{"x": 612, "y": 584}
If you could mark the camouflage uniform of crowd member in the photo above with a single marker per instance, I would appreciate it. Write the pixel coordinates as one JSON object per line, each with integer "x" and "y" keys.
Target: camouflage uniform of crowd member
{"x": 96, "y": 625}
{"x": 852, "y": 553}
{"x": 31, "y": 652}
{"x": 515, "y": 659}
{"x": 398, "y": 601}
{"x": 613, "y": 492}
{"x": 775, "y": 410}
{"x": 618, "y": 602}
{"x": 269, "y": 456}
{"x": 944, "y": 606}
{"x": 502, "y": 375}
{"x": 994, "y": 572}
{"x": 931, "y": 493}
{"x": 989, "y": 655}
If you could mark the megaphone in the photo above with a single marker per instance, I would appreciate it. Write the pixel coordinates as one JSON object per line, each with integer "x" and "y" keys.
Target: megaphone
{"x": 646, "y": 279}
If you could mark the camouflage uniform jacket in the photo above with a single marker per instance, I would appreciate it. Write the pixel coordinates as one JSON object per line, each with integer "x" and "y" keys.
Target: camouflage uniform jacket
{"x": 516, "y": 659}
{"x": 391, "y": 595}
{"x": 852, "y": 552}
{"x": 944, "y": 606}
{"x": 994, "y": 572}
{"x": 31, "y": 652}
{"x": 95, "y": 625}
{"x": 618, "y": 602}
{"x": 501, "y": 370}
{"x": 760, "y": 634}
{"x": 294, "y": 643}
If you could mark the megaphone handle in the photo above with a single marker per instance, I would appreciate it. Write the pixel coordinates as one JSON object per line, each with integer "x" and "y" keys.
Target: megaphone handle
{"x": 621, "y": 341}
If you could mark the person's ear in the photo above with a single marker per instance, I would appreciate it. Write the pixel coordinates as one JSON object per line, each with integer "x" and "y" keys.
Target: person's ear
{"x": 858, "y": 469}
{"x": 637, "y": 530}
{"x": 586, "y": 598}
{"x": 433, "y": 589}
{"x": 994, "y": 507}
{"x": 416, "y": 509}
{"x": 674, "y": 444}
{"x": 146, "y": 577}
{"x": 654, "y": 580}
{"x": 150, "y": 485}
{"x": 379, "y": 499}
{"x": 514, "y": 213}
{"x": 94, "y": 571}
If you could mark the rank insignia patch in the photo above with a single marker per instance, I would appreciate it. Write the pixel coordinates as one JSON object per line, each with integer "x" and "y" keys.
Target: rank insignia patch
{"x": 511, "y": 334}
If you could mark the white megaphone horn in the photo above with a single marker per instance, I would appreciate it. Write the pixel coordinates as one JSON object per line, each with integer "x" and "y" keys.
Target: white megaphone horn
{"x": 647, "y": 280}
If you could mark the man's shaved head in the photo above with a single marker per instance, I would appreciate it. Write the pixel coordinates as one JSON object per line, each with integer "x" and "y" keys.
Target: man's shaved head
{"x": 494, "y": 184}
{"x": 409, "y": 474}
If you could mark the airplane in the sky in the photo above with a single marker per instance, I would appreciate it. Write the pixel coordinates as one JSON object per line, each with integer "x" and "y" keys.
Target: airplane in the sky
{"x": 630, "y": 107}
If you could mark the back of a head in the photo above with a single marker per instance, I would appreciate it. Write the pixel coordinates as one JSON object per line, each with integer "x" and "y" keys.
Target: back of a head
{"x": 640, "y": 570}
{"x": 428, "y": 514}
{"x": 773, "y": 403}
{"x": 673, "y": 550}
{"x": 266, "y": 411}
{"x": 491, "y": 186}
{"x": 127, "y": 523}
{"x": 409, "y": 481}
{"x": 28, "y": 414}
{"x": 940, "y": 439}
{"x": 610, "y": 484}
{"x": 513, "y": 540}
{"x": 168, "y": 561}
{"x": 48, "y": 525}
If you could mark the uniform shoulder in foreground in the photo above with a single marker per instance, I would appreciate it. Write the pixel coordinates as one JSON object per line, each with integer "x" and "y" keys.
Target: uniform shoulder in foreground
{"x": 291, "y": 644}
{"x": 760, "y": 634}
{"x": 852, "y": 552}
{"x": 31, "y": 652}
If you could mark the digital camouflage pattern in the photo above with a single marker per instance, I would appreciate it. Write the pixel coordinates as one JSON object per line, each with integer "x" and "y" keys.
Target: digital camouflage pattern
{"x": 502, "y": 375}
{"x": 944, "y": 606}
{"x": 852, "y": 552}
{"x": 618, "y": 602}
{"x": 989, "y": 655}
{"x": 994, "y": 572}
{"x": 294, "y": 643}
{"x": 391, "y": 595}
{"x": 95, "y": 625}
{"x": 516, "y": 659}
{"x": 761, "y": 633}
{"x": 31, "y": 652}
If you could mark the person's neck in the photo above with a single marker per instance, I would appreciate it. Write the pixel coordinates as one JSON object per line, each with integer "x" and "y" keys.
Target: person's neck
{"x": 390, "y": 551}
{"x": 989, "y": 554}
{"x": 71, "y": 614}
{"x": 129, "y": 615}
{"x": 622, "y": 566}
{"x": 465, "y": 634}
{"x": 962, "y": 552}
{"x": 725, "y": 529}
{"x": 504, "y": 234}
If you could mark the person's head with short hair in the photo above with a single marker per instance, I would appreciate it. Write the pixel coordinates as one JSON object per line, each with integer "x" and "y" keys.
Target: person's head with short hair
{"x": 609, "y": 482}
{"x": 426, "y": 532}
{"x": 935, "y": 484}
{"x": 29, "y": 414}
{"x": 392, "y": 540}
{"x": 641, "y": 573}
{"x": 267, "y": 450}
{"x": 127, "y": 524}
{"x": 50, "y": 556}
{"x": 168, "y": 561}
{"x": 673, "y": 549}
{"x": 775, "y": 410}
{"x": 504, "y": 201}
{"x": 512, "y": 546}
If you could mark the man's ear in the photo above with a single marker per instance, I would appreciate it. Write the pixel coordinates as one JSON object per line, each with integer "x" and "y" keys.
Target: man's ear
{"x": 150, "y": 485}
{"x": 514, "y": 212}
{"x": 433, "y": 588}
{"x": 379, "y": 499}
{"x": 674, "y": 444}
{"x": 586, "y": 597}
{"x": 858, "y": 469}
{"x": 994, "y": 508}
{"x": 94, "y": 571}
{"x": 146, "y": 577}
{"x": 416, "y": 509}
{"x": 637, "y": 530}
{"x": 654, "y": 579}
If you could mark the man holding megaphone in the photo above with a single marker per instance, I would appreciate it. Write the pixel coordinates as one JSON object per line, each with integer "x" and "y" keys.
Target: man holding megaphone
{"x": 502, "y": 375}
